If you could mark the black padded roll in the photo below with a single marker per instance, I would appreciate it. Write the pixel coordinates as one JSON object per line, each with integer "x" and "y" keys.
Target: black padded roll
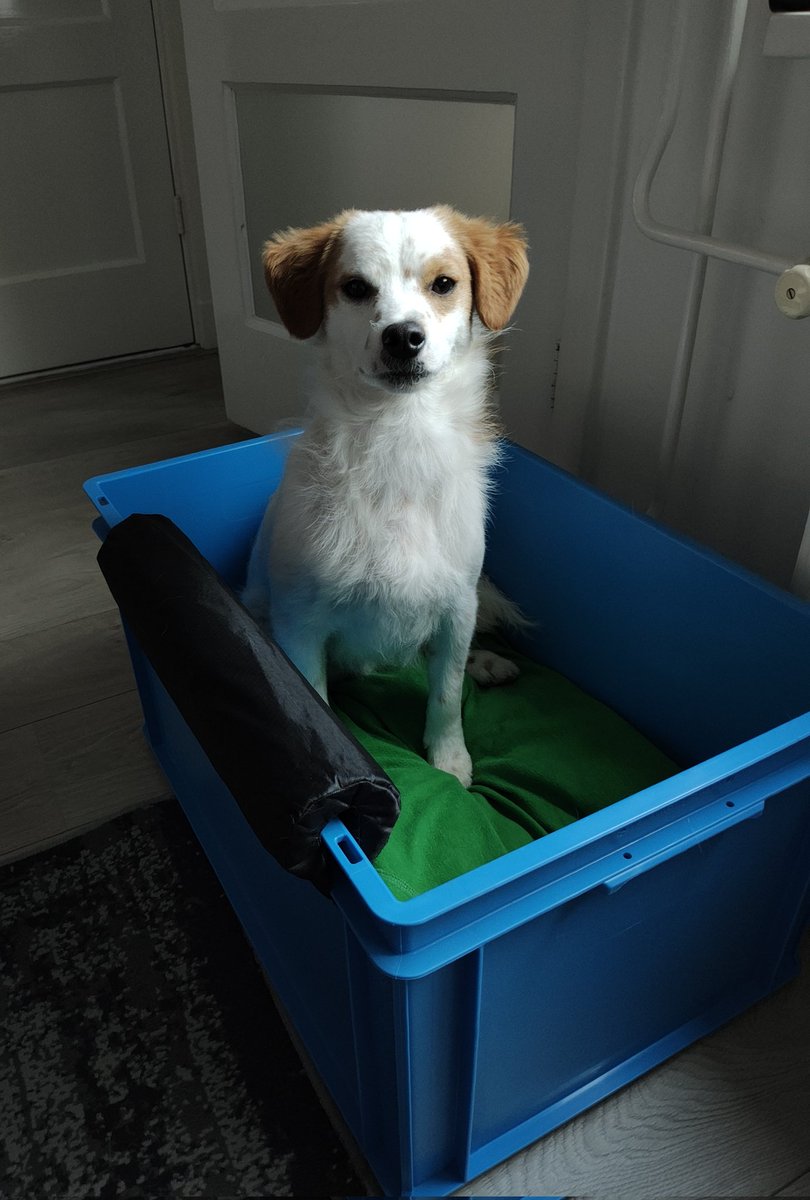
{"x": 288, "y": 762}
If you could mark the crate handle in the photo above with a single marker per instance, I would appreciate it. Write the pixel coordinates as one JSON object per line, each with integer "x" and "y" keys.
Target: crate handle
{"x": 725, "y": 817}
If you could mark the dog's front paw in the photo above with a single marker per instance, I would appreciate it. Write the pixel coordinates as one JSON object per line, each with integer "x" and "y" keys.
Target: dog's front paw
{"x": 453, "y": 758}
{"x": 490, "y": 669}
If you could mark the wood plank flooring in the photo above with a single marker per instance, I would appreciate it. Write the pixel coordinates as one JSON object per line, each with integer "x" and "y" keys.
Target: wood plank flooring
{"x": 729, "y": 1117}
{"x": 70, "y": 740}
{"x": 800, "y": 1187}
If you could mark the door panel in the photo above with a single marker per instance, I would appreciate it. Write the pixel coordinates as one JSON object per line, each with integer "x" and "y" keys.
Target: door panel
{"x": 92, "y": 264}
{"x": 86, "y": 218}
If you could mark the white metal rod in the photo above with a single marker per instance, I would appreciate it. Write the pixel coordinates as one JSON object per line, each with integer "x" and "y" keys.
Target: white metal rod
{"x": 698, "y": 242}
{"x": 713, "y": 247}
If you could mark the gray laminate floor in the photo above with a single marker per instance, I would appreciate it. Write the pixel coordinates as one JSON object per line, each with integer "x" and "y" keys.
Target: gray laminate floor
{"x": 729, "y": 1117}
{"x": 70, "y": 744}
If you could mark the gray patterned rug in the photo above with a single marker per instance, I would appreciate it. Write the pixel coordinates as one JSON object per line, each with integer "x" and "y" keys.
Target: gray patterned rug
{"x": 141, "y": 1053}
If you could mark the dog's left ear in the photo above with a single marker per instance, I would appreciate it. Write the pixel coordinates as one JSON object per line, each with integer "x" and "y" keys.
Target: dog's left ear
{"x": 295, "y": 267}
{"x": 498, "y": 262}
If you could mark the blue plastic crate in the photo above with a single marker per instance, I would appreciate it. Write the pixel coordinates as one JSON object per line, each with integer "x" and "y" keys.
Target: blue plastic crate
{"x": 457, "y": 1027}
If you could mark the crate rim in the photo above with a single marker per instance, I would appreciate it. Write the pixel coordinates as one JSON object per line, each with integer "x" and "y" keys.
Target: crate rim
{"x": 94, "y": 486}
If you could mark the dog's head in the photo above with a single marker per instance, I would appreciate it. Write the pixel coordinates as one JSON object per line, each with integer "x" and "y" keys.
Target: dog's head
{"x": 396, "y": 294}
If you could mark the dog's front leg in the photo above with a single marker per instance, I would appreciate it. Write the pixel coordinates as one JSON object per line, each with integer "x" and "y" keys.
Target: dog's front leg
{"x": 305, "y": 651}
{"x": 446, "y": 658}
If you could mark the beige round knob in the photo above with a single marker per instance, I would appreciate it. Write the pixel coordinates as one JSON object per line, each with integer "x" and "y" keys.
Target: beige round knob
{"x": 793, "y": 291}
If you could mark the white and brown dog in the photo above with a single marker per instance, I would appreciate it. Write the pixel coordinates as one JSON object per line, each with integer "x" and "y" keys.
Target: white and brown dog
{"x": 372, "y": 546}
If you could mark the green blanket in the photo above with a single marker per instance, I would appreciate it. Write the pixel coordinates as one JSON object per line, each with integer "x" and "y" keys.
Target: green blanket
{"x": 544, "y": 753}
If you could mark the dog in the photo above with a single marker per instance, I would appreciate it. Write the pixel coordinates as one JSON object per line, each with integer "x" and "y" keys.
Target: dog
{"x": 371, "y": 549}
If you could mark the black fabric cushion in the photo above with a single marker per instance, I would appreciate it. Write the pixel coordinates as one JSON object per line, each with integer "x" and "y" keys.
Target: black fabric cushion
{"x": 288, "y": 762}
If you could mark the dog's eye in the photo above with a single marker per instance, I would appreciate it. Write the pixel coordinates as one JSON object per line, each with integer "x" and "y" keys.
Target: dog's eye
{"x": 443, "y": 285}
{"x": 356, "y": 289}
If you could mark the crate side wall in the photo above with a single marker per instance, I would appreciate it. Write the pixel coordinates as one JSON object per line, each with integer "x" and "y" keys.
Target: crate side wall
{"x": 588, "y": 987}
{"x": 217, "y": 497}
{"x": 694, "y": 652}
{"x": 296, "y": 933}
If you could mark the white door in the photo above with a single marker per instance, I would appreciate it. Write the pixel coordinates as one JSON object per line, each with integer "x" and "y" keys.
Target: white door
{"x": 303, "y": 108}
{"x": 91, "y": 264}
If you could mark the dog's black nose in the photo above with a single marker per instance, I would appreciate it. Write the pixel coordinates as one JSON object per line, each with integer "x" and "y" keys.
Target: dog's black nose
{"x": 403, "y": 340}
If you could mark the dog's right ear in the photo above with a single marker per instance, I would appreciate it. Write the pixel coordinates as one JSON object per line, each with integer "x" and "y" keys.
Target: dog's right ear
{"x": 295, "y": 267}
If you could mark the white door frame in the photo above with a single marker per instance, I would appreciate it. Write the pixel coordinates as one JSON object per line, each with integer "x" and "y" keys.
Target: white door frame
{"x": 177, "y": 107}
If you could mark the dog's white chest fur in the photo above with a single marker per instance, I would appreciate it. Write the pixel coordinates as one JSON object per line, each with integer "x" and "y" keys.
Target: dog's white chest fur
{"x": 383, "y": 518}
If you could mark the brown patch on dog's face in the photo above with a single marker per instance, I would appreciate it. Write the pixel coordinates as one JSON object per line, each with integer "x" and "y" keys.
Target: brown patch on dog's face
{"x": 300, "y": 269}
{"x": 450, "y": 268}
{"x": 497, "y": 261}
